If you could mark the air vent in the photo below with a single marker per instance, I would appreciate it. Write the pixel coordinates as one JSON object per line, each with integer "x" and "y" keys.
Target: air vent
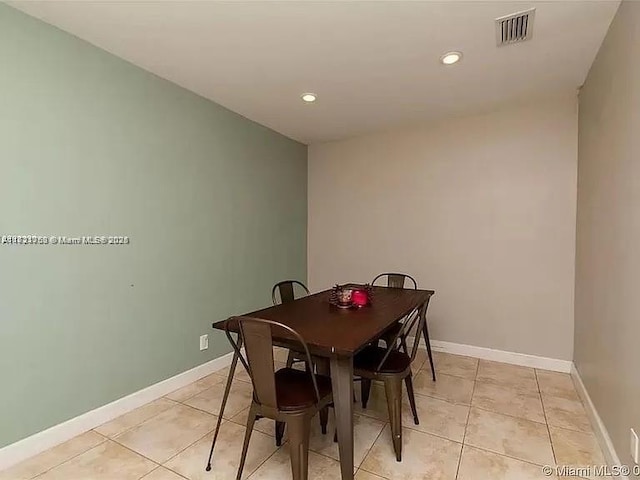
{"x": 515, "y": 28}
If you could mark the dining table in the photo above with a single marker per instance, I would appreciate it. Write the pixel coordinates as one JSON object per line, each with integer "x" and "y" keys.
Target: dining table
{"x": 334, "y": 336}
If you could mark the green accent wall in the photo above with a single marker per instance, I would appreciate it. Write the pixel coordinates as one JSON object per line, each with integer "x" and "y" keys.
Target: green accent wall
{"x": 215, "y": 206}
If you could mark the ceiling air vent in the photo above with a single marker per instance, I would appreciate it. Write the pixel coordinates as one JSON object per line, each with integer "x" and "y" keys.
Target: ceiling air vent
{"x": 515, "y": 28}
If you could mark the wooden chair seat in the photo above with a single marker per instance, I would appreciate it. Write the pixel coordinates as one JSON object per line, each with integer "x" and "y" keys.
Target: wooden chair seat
{"x": 295, "y": 391}
{"x": 369, "y": 359}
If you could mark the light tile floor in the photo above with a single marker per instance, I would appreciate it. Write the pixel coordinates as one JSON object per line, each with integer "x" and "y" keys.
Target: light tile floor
{"x": 481, "y": 420}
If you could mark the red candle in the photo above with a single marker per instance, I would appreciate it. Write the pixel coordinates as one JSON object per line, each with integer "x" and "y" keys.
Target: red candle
{"x": 360, "y": 298}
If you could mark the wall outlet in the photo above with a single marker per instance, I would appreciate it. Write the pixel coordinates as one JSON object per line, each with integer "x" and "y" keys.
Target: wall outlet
{"x": 204, "y": 342}
{"x": 635, "y": 446}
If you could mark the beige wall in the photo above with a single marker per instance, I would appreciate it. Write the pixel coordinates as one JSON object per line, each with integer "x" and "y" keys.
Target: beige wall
{"x": 481, "y": 209}
{"x": 607, "y": 335}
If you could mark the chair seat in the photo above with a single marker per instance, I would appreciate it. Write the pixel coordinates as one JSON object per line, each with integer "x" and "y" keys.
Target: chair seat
{"x": 369, "y": 359}
{"x": 391, "y": 333}
{"x": 294, "y": 389}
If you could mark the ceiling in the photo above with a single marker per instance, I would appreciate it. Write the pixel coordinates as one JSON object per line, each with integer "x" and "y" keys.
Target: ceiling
{"x": 373, "y": 65}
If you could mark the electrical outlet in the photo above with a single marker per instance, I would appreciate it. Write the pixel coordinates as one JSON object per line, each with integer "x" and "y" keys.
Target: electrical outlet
{"x": 204, "y": 342}
{"x": 635, "y": 446}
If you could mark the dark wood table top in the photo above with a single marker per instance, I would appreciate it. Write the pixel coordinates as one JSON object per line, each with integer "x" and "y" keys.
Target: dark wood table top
{"x": 329, "y": 330}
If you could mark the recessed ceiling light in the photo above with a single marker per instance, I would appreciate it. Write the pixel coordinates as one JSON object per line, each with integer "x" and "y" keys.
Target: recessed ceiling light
{"x": 309, "y": 97}
{"x": 450, "y": 58}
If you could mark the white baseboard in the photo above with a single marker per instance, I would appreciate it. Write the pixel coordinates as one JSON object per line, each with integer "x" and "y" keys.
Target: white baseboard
{"x": 513, "y": 358}
{"x": 610, "y": 455}
{"x": 41, "y": 441}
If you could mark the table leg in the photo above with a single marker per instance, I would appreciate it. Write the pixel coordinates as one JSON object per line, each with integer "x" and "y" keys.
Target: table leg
{"x": 232, "y": 371}
{"x": 427, "y": 341}
{"x": 342, "y": 384}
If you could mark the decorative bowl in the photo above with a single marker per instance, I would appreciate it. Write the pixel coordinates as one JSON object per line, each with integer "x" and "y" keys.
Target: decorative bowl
{"x": 351, "y": 295}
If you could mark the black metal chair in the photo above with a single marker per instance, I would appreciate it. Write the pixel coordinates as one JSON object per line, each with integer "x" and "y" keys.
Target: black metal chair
{"x": 398, "y": 280}
{"x": 287, "y": 396}
{"x": 391, "y": 366}
{"x": 286, "y": 291}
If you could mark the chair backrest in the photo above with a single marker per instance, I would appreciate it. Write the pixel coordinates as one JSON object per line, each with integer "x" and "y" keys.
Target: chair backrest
{"x": 285, "y": 290}
{"x": 396, "y": 280}
{"x": 256, "y": 336}
{"x": 414, "y": 321}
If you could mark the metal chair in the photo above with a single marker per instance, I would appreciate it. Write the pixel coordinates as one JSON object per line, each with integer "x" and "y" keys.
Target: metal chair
{"x": 392, "y": 366}
{"x": 286, "y": 292}
{"x": 287, "y": 396}
{"x": 398, "y": 280}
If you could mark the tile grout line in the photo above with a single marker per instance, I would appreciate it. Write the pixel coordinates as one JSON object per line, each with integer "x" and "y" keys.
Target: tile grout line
{"x": 485, "y": 409}
{"x": 172, "y": 456}
{"x": 538, "y": 394}
{"x": 139, "y": 423}
{"x": 442, "y": 399}
{"x": 137, "y": 453}
{"x": 437, "y": 435}
{"x": 265, "y": 460}
{"x": 372, "y": 445}
{"x": 157, "y": 415}
{"x": 509, "y": 456}
{"x": 499, "y": 454}
{"x": 572, "y": 430}
{"x": 544, "y": 411}
{"x": 114, "y": 440}
{"x": 211, "y": 413}
{"x": 591, "y": 430}
{"x": 104, "y": 439}
{"x": 162, "y": 466}
{"x": 424, "y": 432}
{"x": 369, "y": 451}
{"x": 466, "y": 426}
{"x": 211, "y": 431}
{"x": 372, "y": 473}
{"x": 512, "y": 416}
{"x": 185, "y": 448}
